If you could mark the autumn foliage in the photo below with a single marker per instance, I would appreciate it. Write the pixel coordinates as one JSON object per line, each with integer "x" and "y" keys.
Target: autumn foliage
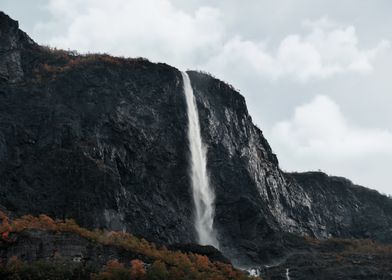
{"x": 62, "y": 61}
{"x": 165, "y": 264}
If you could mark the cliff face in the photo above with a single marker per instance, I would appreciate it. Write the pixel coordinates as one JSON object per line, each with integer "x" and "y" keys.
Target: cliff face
{"x": 12, "y": 41}
{"x": 347, "y": 210}
{"x": 97, "y": 139}
{"x": 256, "y": 200}
{"x": 103, "y": 140}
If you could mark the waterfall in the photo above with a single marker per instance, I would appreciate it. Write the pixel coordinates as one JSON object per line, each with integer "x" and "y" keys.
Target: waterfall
{"x": 287, "y": 274}
{"x": 203, "y": 195}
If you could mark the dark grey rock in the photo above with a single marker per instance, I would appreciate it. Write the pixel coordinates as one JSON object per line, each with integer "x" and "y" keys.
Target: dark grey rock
{"x": 12, "y": 41}
{"x": 33, "y": 245}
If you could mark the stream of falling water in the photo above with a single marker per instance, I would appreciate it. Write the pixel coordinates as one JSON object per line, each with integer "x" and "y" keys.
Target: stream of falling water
{"x": 203, "y": 195}
{"x": 287, "y": 274}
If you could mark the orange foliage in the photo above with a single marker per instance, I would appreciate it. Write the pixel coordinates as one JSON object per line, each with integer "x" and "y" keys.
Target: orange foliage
{"x": 5, "y": 226}
{"x": 173, "y": 265}
{"x": 114, "y": 264}
{"x": 82, "y": 60}
{"x": 137, "y": 270}
{"x": 176, "y": 273}
{"x": 228, "y": 271}
{"x": 202, "y": 262}
{"x": 5, "y": 235}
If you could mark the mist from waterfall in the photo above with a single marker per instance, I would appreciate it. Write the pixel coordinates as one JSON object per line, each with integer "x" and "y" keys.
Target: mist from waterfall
{"x": 203, "y": 195}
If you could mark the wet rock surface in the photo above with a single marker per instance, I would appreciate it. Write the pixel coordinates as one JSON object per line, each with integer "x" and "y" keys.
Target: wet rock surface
{"x": 103, "y": 140}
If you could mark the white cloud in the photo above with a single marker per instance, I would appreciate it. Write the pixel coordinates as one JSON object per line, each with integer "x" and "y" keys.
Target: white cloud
{"x": 323, "y": 22}
{"x": 319, "y": 129}
{"x": 327, "y": 50}
{"x": 319, "y": 136}
{"x": 160, "y": 31}
{"x": 155, "y": 29}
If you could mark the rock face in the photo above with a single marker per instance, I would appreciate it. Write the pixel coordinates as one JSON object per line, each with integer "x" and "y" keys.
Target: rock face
{"x": 256, "y": 200}
{"x": 333, "y": 259}
{"x": 103, "y": 140}
{"x": 346, "y": 210}
{"x": 12, "y": 40}
{"x": 33, "y": 245}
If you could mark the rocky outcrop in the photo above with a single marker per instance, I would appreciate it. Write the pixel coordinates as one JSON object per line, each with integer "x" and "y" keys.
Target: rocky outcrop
{"x": 346, "y": 210}
{"x": 327, "y": 266}
{"x": 34, "y": 245}
{"x": 332, "y": 259}
{"x": 12, "y": 40}
{"x": 103, "y": 140}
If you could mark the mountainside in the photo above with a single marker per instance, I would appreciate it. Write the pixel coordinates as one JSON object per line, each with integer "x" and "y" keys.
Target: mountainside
{"x": 36, "y": 248}
{"x": 103, "y": 140}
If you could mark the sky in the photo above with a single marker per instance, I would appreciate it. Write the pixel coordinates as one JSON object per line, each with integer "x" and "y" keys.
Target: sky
{"x": 315, "y": 74}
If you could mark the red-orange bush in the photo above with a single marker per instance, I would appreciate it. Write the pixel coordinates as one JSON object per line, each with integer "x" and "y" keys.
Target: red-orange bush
{"x": 138, "y": 271}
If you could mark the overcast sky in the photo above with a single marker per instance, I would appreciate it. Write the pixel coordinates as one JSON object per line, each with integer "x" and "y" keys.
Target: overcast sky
{"x": 315, "y": 74}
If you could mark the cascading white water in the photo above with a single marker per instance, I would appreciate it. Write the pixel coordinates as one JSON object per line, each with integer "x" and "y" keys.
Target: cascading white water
{"x": 203, "y": 195}
{"x": 287, "y": 274}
